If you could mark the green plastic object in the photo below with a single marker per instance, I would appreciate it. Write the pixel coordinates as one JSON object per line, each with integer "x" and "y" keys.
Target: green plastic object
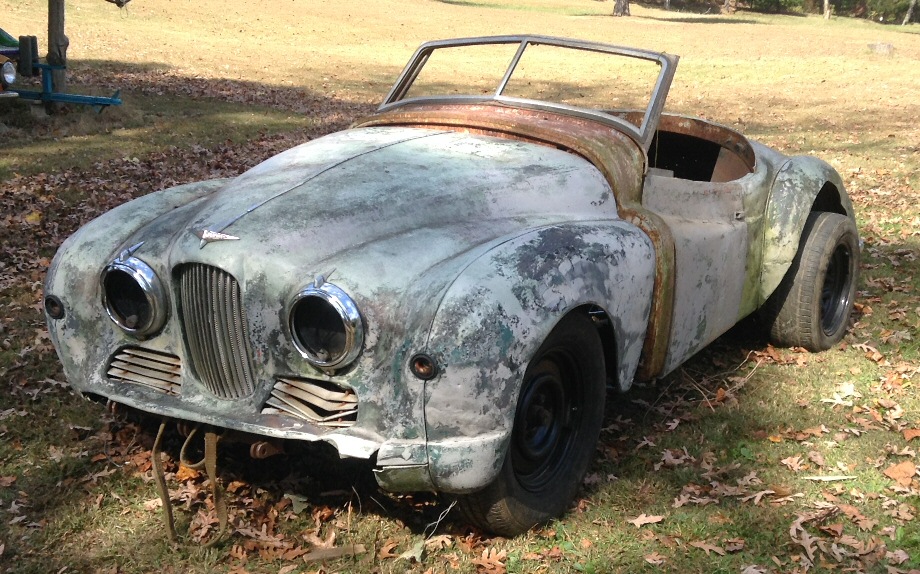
{"x": 7, "y": 41}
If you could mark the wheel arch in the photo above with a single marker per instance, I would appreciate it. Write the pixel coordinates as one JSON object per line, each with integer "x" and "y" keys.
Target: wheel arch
{"x": 802, "y": 185}
{"x": 497, "y": 315}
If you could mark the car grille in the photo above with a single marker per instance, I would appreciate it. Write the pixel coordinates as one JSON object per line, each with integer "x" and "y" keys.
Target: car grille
{"x": 151, "y": 369}
{"x": 216, "y": 330}
{"x": 319, "y": 402}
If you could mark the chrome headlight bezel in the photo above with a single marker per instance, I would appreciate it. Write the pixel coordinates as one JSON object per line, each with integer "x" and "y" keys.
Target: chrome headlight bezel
{"x": 150, "y": 288}
{"x": 352, "y": 326}
{"x": 8, "y": 73}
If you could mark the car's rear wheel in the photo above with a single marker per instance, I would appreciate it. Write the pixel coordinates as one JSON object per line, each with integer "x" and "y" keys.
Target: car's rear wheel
{"x": 556, "y": 424}
{"x": 811, "y": 307}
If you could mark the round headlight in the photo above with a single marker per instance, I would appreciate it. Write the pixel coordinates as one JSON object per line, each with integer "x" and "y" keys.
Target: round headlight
{"x": 133, "y": 296}
{"x": 8, "y": 73}
{"x": 326, "y": 325}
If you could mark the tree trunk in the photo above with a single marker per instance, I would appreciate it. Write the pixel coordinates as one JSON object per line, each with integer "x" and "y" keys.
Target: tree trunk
{"x": 621, "y": 8}
{"x": 57, "y": 44}
{"x": 667, "y": 4}
{"x": 827, "y": 9}
{"x": 729, "y": 7}
{"x": 910, "y": 12}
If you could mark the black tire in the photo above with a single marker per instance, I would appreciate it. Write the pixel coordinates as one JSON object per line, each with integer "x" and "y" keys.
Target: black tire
{"x": 556, "y": 425}
{"x": 811, "y": 307}
{"x": 26, "y": 56}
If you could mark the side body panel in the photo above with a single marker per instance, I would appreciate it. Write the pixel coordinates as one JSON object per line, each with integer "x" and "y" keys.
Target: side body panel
{"x": 711, "y": 252}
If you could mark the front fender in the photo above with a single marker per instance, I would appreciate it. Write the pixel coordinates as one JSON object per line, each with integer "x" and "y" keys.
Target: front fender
{"x": 498, "y": 312}
{"x": 74, "y": 273}
{"x": 795, "y": 191}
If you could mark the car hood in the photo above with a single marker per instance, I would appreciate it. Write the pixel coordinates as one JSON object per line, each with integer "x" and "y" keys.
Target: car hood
{"x": 379, "y": 206}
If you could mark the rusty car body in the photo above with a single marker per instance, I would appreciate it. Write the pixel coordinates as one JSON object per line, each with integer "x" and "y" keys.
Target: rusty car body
{"x": 451, "y": 287}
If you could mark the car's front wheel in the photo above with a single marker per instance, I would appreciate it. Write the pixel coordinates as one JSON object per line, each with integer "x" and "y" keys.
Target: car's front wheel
{"x": 556, "y": 425}
{"x": 811, "y": 307}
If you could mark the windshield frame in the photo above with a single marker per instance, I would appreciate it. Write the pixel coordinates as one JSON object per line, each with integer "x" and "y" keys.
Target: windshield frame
{"x": 643, "y": 133}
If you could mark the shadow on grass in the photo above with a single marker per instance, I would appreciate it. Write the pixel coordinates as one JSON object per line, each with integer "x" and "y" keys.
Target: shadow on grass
{"x": 161, "y": 109}
{"x": 701, "y": 19}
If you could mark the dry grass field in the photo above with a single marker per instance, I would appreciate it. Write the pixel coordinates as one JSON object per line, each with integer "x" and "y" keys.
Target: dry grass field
{"x": 709, "y": 470}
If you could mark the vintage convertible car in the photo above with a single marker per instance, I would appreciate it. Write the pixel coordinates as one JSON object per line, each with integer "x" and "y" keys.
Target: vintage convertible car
{"x": 452, "y": 288}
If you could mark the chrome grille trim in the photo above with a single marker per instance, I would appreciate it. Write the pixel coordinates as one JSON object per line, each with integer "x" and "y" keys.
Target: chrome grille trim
{"x": 152, "y": 369}
{"x": 216, "y": 330}
{"x": 319, "y": 402}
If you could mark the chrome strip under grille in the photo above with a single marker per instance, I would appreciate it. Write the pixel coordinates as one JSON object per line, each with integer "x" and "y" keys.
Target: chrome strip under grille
{"x": 151, "y": 369}
{"x": 319, "y": 402}
{"x": 215, "y": 327}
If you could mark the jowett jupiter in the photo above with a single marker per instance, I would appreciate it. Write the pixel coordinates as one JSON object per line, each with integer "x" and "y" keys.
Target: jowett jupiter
{"x": 450, "y": 287}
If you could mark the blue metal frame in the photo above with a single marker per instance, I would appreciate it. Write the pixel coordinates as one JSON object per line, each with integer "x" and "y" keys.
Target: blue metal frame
{"x": 49, "y": 95}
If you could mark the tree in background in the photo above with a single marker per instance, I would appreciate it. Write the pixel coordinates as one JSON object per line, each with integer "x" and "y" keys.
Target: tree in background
{"x": 57, "y": 44}
{"x": 621, "y": 8}
{"x": 58, "y": 41}
{"x": 910, "y": 12}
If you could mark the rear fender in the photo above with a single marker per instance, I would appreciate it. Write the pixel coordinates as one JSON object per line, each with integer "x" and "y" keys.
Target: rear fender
{"x": 498, "y": 312}
{"x": 802, "y": 185}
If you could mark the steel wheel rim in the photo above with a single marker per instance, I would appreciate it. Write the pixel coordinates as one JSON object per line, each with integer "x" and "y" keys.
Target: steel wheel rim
{"x": 546, "y": 422}
{"x": 835, "y": 291}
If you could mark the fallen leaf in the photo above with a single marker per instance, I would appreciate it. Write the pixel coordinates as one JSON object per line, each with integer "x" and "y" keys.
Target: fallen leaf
{"x": 816, "y": 457}
{"x": 757, "y": 496}
{"x": 644, "y": 519}
{"x": 185, "y": 473}
{"x": 655, "y": 559}
{"x": 734, "y": 544}
{"x": 902, "y": 472}
{"x": 387, "y": 550}
{"x": 415, "y": 553}
{"x": 897, "y": 557}
{"x": 298, "y": 503}
{"x": 439, "y": 542}
{"x": 910, "y": 434}
{"x": 491, "y": 561}
{"x": 708, "y": 548}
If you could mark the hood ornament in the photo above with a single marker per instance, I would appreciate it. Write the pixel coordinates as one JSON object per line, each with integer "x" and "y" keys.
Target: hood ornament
{"x": 207, "y": 236}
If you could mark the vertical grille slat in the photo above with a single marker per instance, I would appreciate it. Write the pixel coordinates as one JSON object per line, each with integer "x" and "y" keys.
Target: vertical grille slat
{"x": 215, "y": 325}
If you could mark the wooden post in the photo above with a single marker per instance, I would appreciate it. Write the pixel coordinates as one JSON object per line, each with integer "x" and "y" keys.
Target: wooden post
{"x": 57, "y": 44}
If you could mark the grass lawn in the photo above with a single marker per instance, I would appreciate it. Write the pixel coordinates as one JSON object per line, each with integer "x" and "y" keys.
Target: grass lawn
{"x": 722, "y": 466}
